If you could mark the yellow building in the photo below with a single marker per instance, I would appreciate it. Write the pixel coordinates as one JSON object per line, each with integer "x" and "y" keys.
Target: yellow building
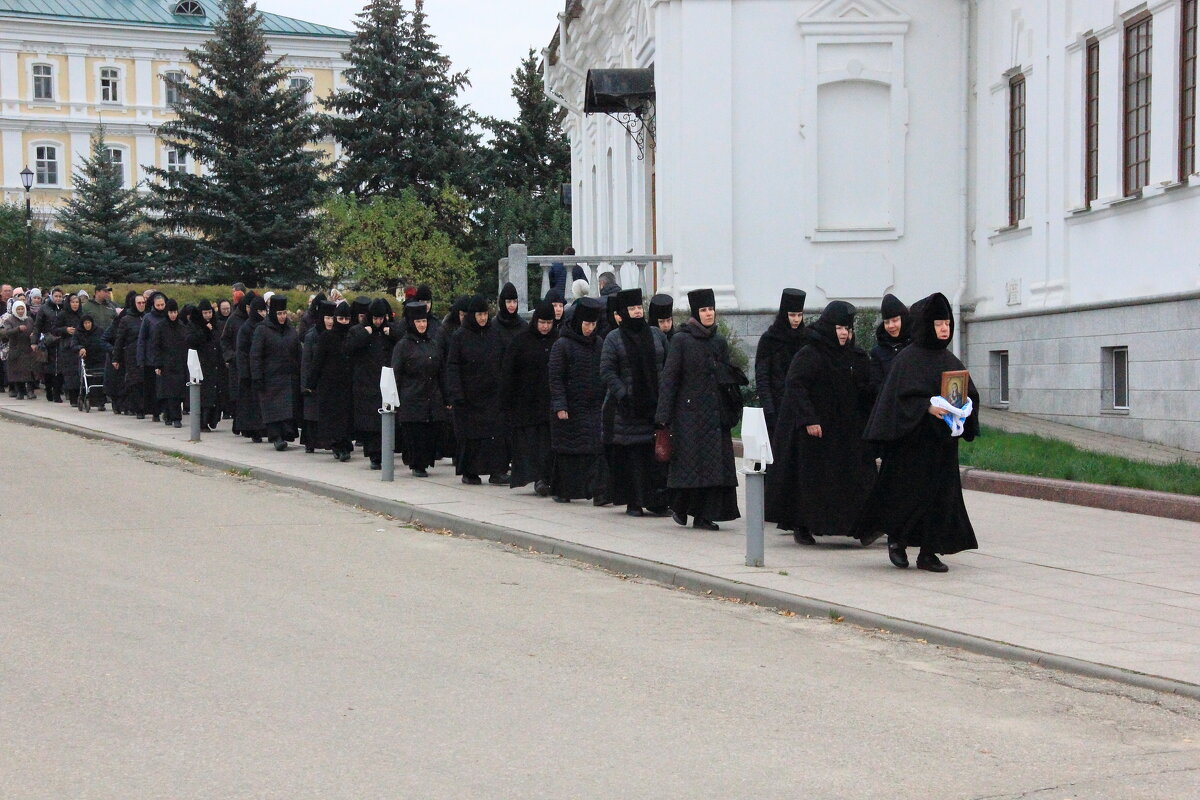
{"x": 67, "y": 66}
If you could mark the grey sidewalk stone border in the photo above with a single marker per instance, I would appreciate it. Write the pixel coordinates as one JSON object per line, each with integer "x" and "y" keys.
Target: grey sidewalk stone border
{"x": 657, "y": 571}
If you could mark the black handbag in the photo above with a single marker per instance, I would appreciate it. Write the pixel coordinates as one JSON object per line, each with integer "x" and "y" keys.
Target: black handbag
{"x": 730, "y": 381}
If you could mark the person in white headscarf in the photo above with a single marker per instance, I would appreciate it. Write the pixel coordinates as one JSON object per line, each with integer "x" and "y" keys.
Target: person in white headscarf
{"x": 15, "y": 332}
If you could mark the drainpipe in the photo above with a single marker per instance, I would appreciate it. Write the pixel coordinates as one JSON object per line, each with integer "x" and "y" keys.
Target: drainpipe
{"x": 966, "y": 30}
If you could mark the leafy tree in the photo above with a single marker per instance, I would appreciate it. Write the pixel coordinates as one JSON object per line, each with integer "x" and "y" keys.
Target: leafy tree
{"x": 103, "y": 234}
{"x": 388, "y": 242}
{"x": 249, "y": 216}
{"x": 13, "y": 267}
{"x": 399, "y": 121}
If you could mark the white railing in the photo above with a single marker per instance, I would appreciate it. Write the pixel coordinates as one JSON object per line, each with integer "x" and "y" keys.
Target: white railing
{"x": 652, "y": 273}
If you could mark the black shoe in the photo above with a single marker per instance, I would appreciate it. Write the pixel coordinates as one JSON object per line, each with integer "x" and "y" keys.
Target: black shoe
{"x": 167, "y": 422}
{"x": 931, "y": 563}
{"x": 281, "y": 445}
{"x": 896, "y": 555}
{"x": 157, "y": 418}
{"x": 420, "y": 473}
{"x": 600, "y": 500}
{"x": 803, "y": 537}
{"x": 345, "y": 456}
{"x": 376, "y": 464}
{"x": 558, "y": 499}
{"x": 499, "y": 480}
{"x": 141, "y": 416}
{"x": 705, "y": 525}
{"x": 176, "y": 424}
{"x": 18, "y": 395}
{"x": 635, "y": 511}
{"x": 100, "y": 407}
{"x": 308, "y": 448}
{"x": 471, "y": 480}
{"x": 542, "y": 489}
{"x": 680, "y": 519}
{"x": 256, "y": 439}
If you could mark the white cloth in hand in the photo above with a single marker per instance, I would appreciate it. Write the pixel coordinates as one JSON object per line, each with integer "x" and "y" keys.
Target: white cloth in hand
{"x": 954, "y": 416}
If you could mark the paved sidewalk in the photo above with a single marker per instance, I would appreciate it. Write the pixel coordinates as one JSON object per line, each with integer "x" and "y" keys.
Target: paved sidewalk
{"x": 1086, "y": 439}
{"x": 1104, "y": 588}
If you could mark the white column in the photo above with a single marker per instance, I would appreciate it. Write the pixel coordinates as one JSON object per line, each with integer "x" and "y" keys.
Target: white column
{"x": 1164, "y": 97}
{"x": 1111, "y": 92}
{"x": 143, "y": 87}
{"x": 77, "y": 81}
{"x": 9, "y": 79}
{"x": 146, "y": 155}
{"x": 14, "y": 159}
{"x": 81, "y": 148}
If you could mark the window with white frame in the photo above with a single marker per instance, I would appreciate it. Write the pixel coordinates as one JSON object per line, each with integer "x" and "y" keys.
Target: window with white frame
{"x": 1115, "y": 393}
{"x": 171, "y": 83}
{"x": 116, "y": 160}
{"x": 999, "y": 365}
{"x": 43, "y": 82}
{"x": 46, "y": 165}
{"x": 176, "y": 160}
{"x": 302, "y": 82}
{"x": 110, "y": 85}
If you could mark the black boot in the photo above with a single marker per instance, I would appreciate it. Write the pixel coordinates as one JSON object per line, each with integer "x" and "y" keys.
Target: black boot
{"x": 802, "y": 536}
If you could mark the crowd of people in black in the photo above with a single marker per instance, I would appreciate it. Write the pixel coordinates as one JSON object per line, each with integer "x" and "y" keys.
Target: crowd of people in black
{"x": 604, "y": 399}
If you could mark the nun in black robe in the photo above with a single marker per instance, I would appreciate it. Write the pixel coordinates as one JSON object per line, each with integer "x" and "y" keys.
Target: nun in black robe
{"x": 576, "y": 398}
{"x": 917, "y": 500}
{"x": 824, "y": 470}
{"x": 309, "y": 408}
{"x": 508, "y": 318}
{"x": 329, "y": 380}
{"x": 369, "y": 348}
{"x": 888, "y": 346}
{"x": 451, "y": 323}
{"x": 248, "y": 418}
{"x": 417, "y": 365}
{"x": 525, "y": 401}
{"x": 776, "y": 349}
{"x": 473, "y": 389}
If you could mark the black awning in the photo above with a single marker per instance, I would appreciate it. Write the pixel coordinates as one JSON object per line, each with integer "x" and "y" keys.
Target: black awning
{"x": 611, "y": 91}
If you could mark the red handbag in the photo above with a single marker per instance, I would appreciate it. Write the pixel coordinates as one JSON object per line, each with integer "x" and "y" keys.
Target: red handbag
{"x": 662, "y": 445}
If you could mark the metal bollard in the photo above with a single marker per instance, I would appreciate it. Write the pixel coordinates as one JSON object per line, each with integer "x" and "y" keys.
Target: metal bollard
{"x": 195, "y": 414}
{"x": 755, "y": 493}
{"x": 387, "y": 422}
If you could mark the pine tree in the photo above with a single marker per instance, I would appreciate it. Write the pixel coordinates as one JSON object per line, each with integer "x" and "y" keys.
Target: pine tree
{"x": 103, "y": 234}
{"x": 526, "y": 164}
{"x": 400, "y": 123}
{"x": 249, "y": 216}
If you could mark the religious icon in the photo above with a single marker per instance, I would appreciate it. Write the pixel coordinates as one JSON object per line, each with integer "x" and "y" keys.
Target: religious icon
{"x": 954, "y": 387}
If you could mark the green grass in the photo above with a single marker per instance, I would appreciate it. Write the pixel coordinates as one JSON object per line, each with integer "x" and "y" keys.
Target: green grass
{"x": 1026, "y": 454}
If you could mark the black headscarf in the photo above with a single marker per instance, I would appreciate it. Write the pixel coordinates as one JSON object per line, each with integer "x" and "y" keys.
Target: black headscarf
{"x": 781, "y": 335}
{"x": 475, "y": 306}
{"x": 379, "y": 307}
{"x": 415, "y": 310}
{"x": 916, "y": 375}
{"x": 543, "y": 311}
{"x": 503, "y": 316}
{"x": 892, "y": 307}
{"x": 130, "y": 306}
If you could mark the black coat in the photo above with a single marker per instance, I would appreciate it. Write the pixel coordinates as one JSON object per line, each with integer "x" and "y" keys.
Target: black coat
{"x": 369, "y": 353}
{"x": 275, "y": 370}
{"x": 44, "y": 325}
{"x": 473, "y": 380}
{"x": 330, "y": 380}
{"x": 918, "y": 495}
{"x": 575, "y": 387}
{"x": 204, "y": 341}
{"x": 776, "y": 349}
{"x": 68, "y": 359}
{"x": 820, "y": 484}
{"x": 417, "y": 365}
{"x": 632, "y": 421}
{"x": 245, "y": 338}
{"x": 689, "y": 405}
{"x": 525, "y": 379}
{"x": 168, "y": 348}
{"x": 308, "y": 399}
{"x": 885, "y": 349}
{"x": 150, "y": 322}
{"x": 125, "y": 349}
{"x": 509, "y": 327}
{"x": 93, "y": 342}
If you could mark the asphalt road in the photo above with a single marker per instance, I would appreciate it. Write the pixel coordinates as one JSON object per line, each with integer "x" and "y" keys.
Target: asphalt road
{"x": 170, "y": 631}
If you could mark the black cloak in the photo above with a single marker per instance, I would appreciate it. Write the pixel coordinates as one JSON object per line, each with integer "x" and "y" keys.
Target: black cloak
{"x": 917, "y": 498}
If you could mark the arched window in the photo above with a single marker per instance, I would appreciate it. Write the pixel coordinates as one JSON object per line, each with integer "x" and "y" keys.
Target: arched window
{"x": 189, "y": 8}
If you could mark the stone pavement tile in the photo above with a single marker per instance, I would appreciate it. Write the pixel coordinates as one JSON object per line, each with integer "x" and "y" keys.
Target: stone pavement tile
{"x": 1165, "y": 649}
{"x": 1166, "y": 613}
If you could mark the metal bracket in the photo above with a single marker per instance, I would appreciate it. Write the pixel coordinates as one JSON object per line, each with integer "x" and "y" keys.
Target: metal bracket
{"x": 639, "y": 123}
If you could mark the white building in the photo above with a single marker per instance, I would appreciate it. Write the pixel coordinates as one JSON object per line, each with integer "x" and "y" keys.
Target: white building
{"x": 1032, "y": 159}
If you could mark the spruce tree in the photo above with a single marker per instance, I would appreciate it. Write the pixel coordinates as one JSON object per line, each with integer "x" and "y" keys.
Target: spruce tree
{"x": 249, "y": 216}
{"x": 400, "y": 123}
{"x": 103, "y": 235}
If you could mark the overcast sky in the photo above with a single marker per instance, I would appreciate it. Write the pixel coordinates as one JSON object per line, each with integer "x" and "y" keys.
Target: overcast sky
{"x": 487, "y": 37}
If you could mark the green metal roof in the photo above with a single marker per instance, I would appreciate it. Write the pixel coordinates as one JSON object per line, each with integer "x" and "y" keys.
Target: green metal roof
{"x": 153, "y": 12}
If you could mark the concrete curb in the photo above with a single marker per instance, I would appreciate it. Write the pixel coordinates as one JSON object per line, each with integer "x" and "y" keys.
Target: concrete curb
{"x": 651, "y": 570}
{"x": 1092, "y": 495}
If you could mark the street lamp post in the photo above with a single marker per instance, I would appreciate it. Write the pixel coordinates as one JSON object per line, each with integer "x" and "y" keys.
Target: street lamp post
{"x": 27, "y": 181}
